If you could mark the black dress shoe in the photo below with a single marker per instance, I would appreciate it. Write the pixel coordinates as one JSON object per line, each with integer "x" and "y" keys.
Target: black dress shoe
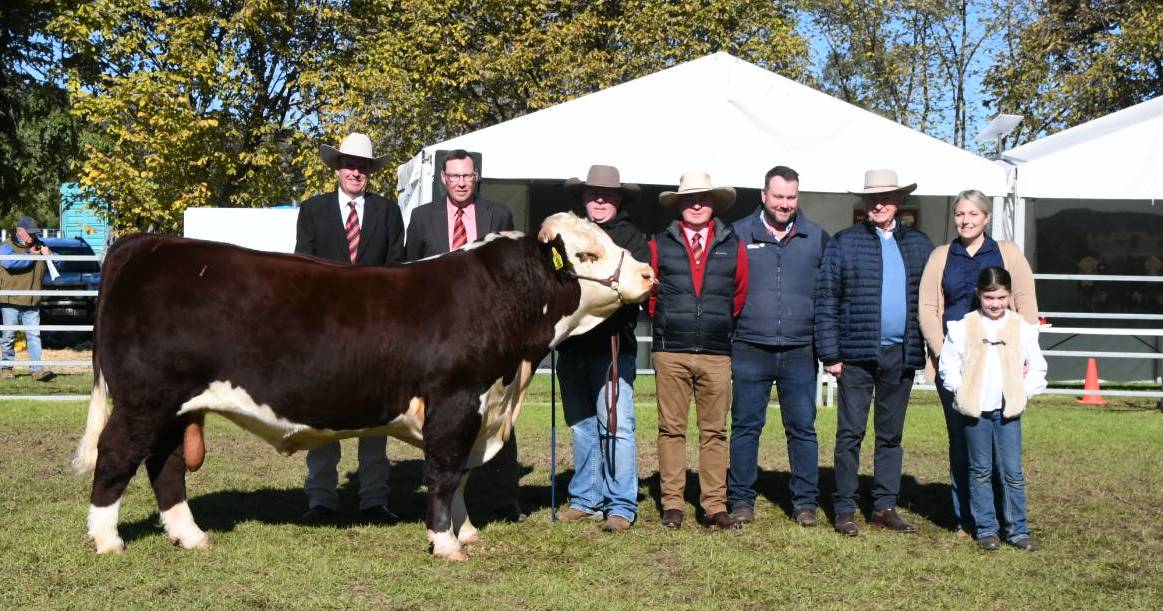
{"x": 743, "y": 514}
{"x": 1026, "y": 544}
{"x": 891, "y": 520}
{"x": 721, "y": 521}
{"x": 989, "y": 543}
{"x": 846, "y": 523}
{"x": 805, "y": 516}
{"x": 672, "y": 518}
{"x": 379, "y": 514}
{"x": 319, "y": 513}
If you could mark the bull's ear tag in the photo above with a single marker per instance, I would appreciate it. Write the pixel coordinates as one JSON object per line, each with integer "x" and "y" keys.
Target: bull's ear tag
{"x": 557, "y": 262}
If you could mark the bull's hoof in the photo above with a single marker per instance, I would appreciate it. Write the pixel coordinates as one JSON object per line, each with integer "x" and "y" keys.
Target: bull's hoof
{"x": 456, "y": 555}
{"x": 107, "y": 545}
{"x": 200, "y": 541}
{"x": 444, "y": 545}
{"x": 472, "y": 538}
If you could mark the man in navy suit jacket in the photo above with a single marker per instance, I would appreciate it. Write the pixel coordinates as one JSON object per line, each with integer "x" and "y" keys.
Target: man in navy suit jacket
{"x": 350, "y": 225}
{"x": 432, "y": 229}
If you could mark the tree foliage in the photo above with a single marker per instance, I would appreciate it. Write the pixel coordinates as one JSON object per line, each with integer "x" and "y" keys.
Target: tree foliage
{"x": 1070, "y": 61}
{"x": 225, "y": 103}
{"x": 38, "y": 138}
{"x": 913, "y": 61}
{"x": 203, "y": 102}
{"x": 429, "y": 71}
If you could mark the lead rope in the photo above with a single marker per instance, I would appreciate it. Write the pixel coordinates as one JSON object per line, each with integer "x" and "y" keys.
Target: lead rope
{"x": 553, "y": 436}
{"x": 612, "y": 404}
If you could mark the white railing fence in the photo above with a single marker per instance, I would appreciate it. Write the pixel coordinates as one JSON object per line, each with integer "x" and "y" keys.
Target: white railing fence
{"x": 75, "y": 328}
{"x": 825, "y": 383}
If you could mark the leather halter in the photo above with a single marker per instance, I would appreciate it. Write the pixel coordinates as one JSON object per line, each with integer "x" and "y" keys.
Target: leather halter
{"x": 610, "y": 282}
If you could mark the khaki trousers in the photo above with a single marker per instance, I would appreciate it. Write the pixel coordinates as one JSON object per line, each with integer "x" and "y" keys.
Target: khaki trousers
{"x": 679, "y": 375}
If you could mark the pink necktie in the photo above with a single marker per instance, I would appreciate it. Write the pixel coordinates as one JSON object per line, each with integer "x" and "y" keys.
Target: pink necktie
{"x": 459, "y": 236}
{"x": 352, "y": 227}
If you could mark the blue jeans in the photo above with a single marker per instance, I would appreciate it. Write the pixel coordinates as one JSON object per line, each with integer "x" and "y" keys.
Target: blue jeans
{"x": 600, "y": 484}
{"x": 793, "y": 370}
{"x": 995, "y": 442}
{"x": 958, "y": 459}
{"x": 892, "y": 382}
{"x": 20, "y": 315}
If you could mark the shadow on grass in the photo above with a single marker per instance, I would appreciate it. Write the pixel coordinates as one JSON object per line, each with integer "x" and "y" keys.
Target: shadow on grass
{"x": 931, "y": 501}
{"x": 488, "y": 496}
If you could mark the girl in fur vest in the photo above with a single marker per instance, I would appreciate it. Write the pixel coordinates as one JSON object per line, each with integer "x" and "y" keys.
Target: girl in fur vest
{"x": 991, "y": 362}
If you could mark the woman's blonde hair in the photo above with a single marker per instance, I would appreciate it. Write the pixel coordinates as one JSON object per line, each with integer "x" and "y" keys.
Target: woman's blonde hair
{"x": 977, "y": 198}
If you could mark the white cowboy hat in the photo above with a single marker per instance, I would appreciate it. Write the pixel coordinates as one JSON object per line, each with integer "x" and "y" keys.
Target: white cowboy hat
{"x": 882, "y": 181}
{"x": 699, "y": 182}
{"x": 354, "y": 145}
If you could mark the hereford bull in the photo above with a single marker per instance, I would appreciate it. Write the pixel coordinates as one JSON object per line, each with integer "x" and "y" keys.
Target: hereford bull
{"x": 302, "y": 352}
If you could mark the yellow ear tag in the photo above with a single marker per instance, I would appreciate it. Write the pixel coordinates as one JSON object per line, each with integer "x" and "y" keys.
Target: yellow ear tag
{"x": 557, "y": 262}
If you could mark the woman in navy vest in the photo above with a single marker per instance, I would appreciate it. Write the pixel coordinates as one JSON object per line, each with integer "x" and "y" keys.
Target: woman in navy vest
{"x": 947, "y": 293}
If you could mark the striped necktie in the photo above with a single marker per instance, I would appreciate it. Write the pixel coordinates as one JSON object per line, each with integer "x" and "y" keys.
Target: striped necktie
{"x": 352, "y": 228}
{"x": 459, "y": 235}
{"x": 697, "y": 247}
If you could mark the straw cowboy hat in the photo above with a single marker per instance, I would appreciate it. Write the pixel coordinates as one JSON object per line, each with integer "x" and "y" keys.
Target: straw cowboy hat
{"x": 699, "y": 182}
{"x": 605, "y": 176}
{"x": 883, "y": 181}
{"x": 354, "y": 145}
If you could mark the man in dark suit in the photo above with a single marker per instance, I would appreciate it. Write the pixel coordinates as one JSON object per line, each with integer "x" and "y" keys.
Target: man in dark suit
{"x": 461, "y": 218}
{"x": 439, "y": 227}
{"x": 350, "y": 225}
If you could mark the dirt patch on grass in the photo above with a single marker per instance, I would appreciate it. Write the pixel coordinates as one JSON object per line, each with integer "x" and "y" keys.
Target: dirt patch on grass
{"x": 61, "y": 354}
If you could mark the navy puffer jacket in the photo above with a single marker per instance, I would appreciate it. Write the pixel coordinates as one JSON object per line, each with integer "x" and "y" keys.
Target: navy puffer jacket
{"x": 847, "y": 295}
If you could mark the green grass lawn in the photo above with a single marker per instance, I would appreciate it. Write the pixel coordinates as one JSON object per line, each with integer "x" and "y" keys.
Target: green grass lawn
{"x": 1095, "y": 484}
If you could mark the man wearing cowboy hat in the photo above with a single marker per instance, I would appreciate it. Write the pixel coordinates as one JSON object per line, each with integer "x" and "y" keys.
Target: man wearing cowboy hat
{"x": 869, "y": 337}
{"x": 23, "y": 309}
{"x": 442, "y": 226}
{"x": 605, "y": 479}
{"x": 773, "y": 344}
{"x": 350, "y": 226}
{"x": 701, "y": 266}
{"x": 438, "y": 227}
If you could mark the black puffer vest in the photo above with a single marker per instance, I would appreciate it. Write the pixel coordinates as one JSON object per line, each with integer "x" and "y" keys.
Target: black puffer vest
{"x": 683, "y": 321}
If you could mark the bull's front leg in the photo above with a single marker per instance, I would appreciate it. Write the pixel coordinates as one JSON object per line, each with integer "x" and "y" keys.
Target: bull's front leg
{"x": 465, "y": 531}
{"x": 449, "y": 432}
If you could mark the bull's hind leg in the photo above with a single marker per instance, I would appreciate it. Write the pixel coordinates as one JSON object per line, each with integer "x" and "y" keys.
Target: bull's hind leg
{"x": 120, "y": 450}
{"x": 465, "y": 531}
{"x": 448, "y": 437}
{"x": 167, "y": 473}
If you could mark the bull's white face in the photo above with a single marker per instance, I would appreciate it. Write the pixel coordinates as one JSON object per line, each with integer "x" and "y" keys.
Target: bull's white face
{"x": 593, "y": 255}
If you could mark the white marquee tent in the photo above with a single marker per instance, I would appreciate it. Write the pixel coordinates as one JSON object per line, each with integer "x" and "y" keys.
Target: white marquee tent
{"x": 1119, "y": 156}
{"x": 718, "y": 113}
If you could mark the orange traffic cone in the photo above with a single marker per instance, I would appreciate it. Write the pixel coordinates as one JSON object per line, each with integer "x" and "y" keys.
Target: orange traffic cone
{"x": 1092, "y": 384}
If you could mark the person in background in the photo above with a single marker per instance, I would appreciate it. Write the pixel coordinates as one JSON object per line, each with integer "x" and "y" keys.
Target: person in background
{"x": 992, "y": 365}
{"x": 23, "y": 309}
{"x": 701, "y": 266}
{"x": 605, "y": 478}
{"x": 867, "y": 335}
{"x": 354, "y": 227}
{"x": 773, "y": 343}
{"x": 948, "y": 292}
{"x": 443, "y": 226}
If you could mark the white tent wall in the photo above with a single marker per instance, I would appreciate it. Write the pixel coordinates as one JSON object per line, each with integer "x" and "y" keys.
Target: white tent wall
{"x": 1093, "y": 198}
{"x": 717, "y": 113}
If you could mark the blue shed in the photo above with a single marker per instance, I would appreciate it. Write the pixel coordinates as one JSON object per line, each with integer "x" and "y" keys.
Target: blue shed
{"x": 80, "y": 217}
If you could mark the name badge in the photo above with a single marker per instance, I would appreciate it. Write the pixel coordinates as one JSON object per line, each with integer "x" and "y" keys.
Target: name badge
{"x": 756, "y": 245}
